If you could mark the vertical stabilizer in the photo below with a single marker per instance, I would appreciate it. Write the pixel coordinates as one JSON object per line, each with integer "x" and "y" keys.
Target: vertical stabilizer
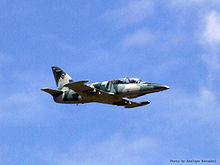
{"x": 61, "y": 77}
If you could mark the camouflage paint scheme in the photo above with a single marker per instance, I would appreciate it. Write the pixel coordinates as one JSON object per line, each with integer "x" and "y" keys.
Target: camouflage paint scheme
{"x": 108, "y": 92}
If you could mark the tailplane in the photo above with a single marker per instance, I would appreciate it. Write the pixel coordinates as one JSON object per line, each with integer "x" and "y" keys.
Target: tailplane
{"x": 53, "y": 92}
{"x": 61, "y": 77}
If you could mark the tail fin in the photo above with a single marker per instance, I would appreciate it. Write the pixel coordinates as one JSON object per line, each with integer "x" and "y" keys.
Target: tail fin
{"x": 61, "y": 77}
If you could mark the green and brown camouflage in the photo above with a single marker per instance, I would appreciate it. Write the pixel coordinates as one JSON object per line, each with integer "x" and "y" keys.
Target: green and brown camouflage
{"x": 61, "y": 77}
{"x": 129, "y": 87}
{"x": 108, "y": 92}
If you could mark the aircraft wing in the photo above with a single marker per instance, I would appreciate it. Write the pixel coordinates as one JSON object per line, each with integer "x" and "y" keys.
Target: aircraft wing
{"x": 96, "y": 95}
{"x": 131, "y": 104}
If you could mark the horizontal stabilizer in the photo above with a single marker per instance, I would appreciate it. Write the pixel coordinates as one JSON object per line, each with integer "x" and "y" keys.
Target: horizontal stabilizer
{"x": 52, "y": 91}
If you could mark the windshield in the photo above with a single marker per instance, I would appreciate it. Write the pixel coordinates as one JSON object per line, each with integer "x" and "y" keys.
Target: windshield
{"x": 128, "y": 81}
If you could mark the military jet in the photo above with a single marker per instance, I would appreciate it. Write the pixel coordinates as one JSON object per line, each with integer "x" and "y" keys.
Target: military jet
{"x": 112, "y": 92}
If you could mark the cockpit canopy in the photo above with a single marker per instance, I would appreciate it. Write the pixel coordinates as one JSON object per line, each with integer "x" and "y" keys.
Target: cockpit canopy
{"x": 128, "y": 81}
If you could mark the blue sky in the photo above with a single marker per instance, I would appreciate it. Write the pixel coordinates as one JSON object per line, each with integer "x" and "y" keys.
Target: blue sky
{"x": 176, "y": 43}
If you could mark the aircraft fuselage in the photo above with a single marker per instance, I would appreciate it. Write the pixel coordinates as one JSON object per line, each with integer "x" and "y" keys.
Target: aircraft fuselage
{"x": 131, "y": 90}
{"x": 108, "y": 92}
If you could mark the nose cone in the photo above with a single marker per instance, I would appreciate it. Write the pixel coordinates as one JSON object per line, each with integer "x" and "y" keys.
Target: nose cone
{"x": 160, "y": 87}
{"x": 166, "y": 87}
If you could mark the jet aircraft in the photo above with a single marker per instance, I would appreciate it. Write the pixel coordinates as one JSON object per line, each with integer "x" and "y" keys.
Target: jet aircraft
{"x": 112, "y": 92}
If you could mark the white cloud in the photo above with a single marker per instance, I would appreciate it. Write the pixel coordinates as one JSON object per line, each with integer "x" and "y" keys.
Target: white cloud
{"x": 5, "y": 58}
{"x": 205, "y": 98}
{"x": 199, "y": 108}
{"x": 202, "y": 106}
{"x": 209, "y": 38}
{"x": 133, "y": 12}
{"x": 139, "y": 38}
{"x": 20, "y": 108}
{"x": 26, "y": 105}
{"x": 116, "y": 150}
{"x": 212, "y": 28}
{"x": 206, "y": 106}
{"x": 183, "y": 3}
{"x": 212, "y": 62}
